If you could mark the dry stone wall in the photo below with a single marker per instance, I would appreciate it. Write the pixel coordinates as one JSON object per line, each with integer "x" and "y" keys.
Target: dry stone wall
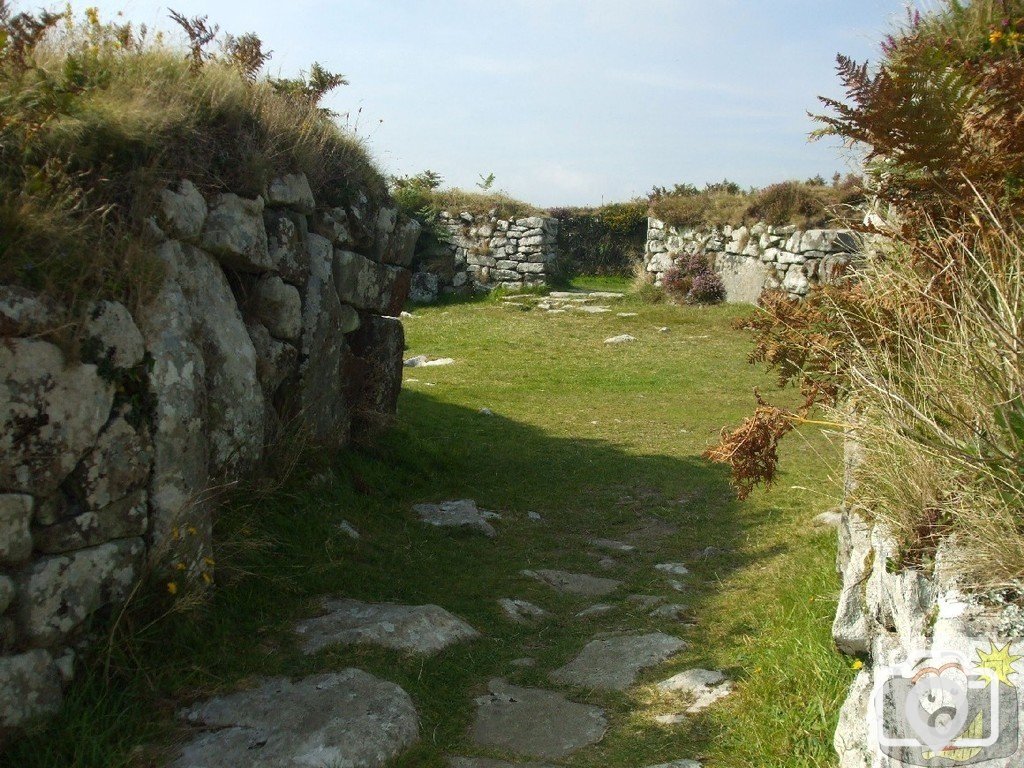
{"x": 273, "y": 313}
{"x": 487, "y": 252}
{"x": 751, "y": 259}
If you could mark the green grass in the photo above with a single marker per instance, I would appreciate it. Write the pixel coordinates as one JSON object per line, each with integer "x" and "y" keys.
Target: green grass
{"x": 602, "y": 283}
{"x": 601, "y": 441}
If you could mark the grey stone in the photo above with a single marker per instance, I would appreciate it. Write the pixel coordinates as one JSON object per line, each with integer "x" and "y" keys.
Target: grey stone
{"x": 520, "y": 611}
{"x": 112, "y": 336}
{"x": 275, "y": 361}
{"x": 672, "y": 612}
{"x": 333, "y": 225}
{"x": 235, "y": 407}
{"x": 29, "y": 688}
{"x": 623, "y": 339}
{"x": 796, "y": 281}
{"x": 6, "y": 593}
{"x": 420, "y": 629}
{"x": 348, "y": 718}
{"x": 679, "y": 764}
{"x": 181, "y": 211}
{"x": 830, "y": 519}
{"x": 368, "y": 285}
{"x": 575, "y": 583}
{"x": 401, "y": 246}
{"x": 286, "y": 245}
{"x": 292, "y": 191}
{"x": 424, "y": 288}
{"x": 121, "y": 519}
{"x": 235, "y": 234}
{"x": 534, "y": 722}
{"x": 22, "y": 313}
{"x": 57, "y": 594}
{"x": 613, "y": 663}
{"x": 424, "y": 361}
{"x": 612, "y": 545}
{"x": 595, "y": 311}
{"x": 375, "y": 378}
{"x": 278, "y": 306}
{"x": 851, "y": 741}
{"x": 50, "y": 414}
{"x": 645, "y": 601}
{"x": 118, "y": 464}
{"x": 15, "y": 534}
{"x": 742, "y": 277}
{"x": 455, "y": 514}
{"x": 595, "y": 610}
{"x": 703, "y": 686}
{"x": 349, "y": 530}
{"x": 673, "y": 569}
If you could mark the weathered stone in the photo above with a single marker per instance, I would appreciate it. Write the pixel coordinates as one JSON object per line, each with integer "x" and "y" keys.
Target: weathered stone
{"x": 520, "y": 611}
{"x": 661, "y": 262}
{"x": 348, "y": 718}
{"x": 424, "y": 288}
{"x": 182, "y": 211}
{"x": 574, "y": 583}
{"x": 421, "y": 629}
{"x": 376, "y": 382}
{"x": 796, "y": 281}
{"x": 612, "y": 545}
{"x": 673, "y": 569}
{"x": 455, "y": 514}
{"x": 851, "y": 740}
{"x": 613, "y": 663}
{"x": 235, "y": 234}
{"x": 286, "y": 245}
{"x": 832, "y": 268}
{"x": 370, "y": 286}
{"x": 29, "y": 688}
{"x": 333, "y": 225}
{"x": 180, "y": 450}
{"x": 595, "y": 610}
{"x": 56, "y": 594}
{"x": 275, "y": 360}
{"x": 234, "y": 419}
{"x": 278, "y": 306}
{"x": 118, "y": 464}
{"x": 23, "y": 313}
{"x": 6, "y": 592}
{"x": 623, "y": 339}
{"x": 15, "y": 536}
{"x": 535, "y": 722}
{"x": 112, "y": 338}
{"x": 50, "y": 414}
{"x": 742, "y": 277}
{"x": 401, "y": 245}
{"x": 703, "y": 686}
{"x": 292, "y": 191}
{"x": 679, "y": 764}
{"x": 124, "y": 518}
{"x": 672, "y": 612}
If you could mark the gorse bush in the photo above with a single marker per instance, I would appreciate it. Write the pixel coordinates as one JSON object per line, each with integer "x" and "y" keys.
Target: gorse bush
{"x": 919, "y": 358}
{"x": 94, "y": 117}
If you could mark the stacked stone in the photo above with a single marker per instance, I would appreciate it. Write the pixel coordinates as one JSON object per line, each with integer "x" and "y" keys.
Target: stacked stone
{"x": 750, "y": 259}
{"x": 488, "y": 252}
{"x": 269, "y": 310}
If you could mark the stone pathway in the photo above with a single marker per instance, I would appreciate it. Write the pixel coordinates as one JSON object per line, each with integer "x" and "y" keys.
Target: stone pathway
{"x": 352, "y": 718}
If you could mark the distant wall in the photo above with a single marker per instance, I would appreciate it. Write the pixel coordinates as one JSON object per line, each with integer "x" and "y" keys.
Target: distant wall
{"x": 488, "y": 252}
{"x": 272, "y": 312}
{"x": 750, "y": 259}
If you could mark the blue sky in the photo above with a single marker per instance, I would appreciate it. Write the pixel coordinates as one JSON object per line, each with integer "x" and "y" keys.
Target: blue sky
{"x": 570, "y": 101}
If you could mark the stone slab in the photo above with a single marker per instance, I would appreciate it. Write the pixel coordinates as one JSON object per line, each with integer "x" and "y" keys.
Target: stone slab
{"x": 613, "y": 663}
{"x": 574, "y": 583}
{"x": 455, "y": 514}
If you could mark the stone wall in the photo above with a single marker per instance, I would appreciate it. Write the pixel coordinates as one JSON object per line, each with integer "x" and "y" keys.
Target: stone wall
{"x": 887, "y": 614}
{"x": 750, "y": 259}
{"x": 486, "y": 252}
{"x": 272, "y": 314}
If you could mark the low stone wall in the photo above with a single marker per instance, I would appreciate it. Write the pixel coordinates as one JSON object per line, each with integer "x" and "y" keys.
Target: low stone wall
{"x": 888, "y": 614}
{"x": 751, "y": 259}
{"x": 487, "y": 252}
{"x": 272, "y": 314}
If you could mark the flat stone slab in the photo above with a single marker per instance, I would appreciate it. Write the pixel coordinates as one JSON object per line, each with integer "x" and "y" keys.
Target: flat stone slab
{"x": 423, "y": 629}
{"x": 486, "y": 762}
{"x": 703, "y": 686}
{"x": 534, "y": 722}
{"x": 673, "y": 569}
{"x": 610, "y": 545}
{"x": 623, "y": 339}
{"x": 423, "y": 361}
{"x": 347, "y": 718}
{"x": 575, "y": 583}
{"x": 672, "y": 612}
{"x": 521, "y": 611}
{"x": 613, "y": 663}
{"x": 462, "y": 513}
{"x": 595, "y": 610}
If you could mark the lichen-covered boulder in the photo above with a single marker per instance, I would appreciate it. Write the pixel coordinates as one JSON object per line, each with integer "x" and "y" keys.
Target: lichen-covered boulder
{"x": 115, "y": 466}
{"x": 29, "y": 688}
{"x": 57, "y": 594}
{"x": 124, "y": 518}
{"x": 286, "y": 244}
{"x": 291, "y": 191}
{"x": 112, "y": 338}
{"x": 424, "y": 288}
{"x": 278, "y": 307}
{"x": 275, "y": 360}
{"x": 15, "y": 532}
{"x": 182, "y": 211}
{"x": 333, "y": 224}
{"x": 401, "y": 243}
{"x": 50, "y": 414}
{"x": 369, "y": 286}
{"x": 23, "y": 313}
{"x": 378, "y": 347}
{"x": 235, "y": 234}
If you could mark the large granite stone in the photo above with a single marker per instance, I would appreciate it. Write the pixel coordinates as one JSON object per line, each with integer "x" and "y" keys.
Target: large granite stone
{"x": 235, "y": 234}
{"x": 370, "y": 286}
{"x": 291, "y": 191}
{"x": 29, "y": 688}
{"x": 455, "y": 514}
{"x": 534, "y": 722}
{"x": 117, "y": 465}
{"x": 15, "y": 533}
{"x": 348, "y": 718}
{"x": 181, "y": 211}
{"x": 422, "y": 629}
{"x": 613, "y": 663}
{"x": 376, "y": 378}
{"x": 575, "y": 583}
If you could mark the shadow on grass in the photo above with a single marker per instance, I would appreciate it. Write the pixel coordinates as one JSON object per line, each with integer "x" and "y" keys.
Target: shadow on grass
{"x": 278, "y": 553}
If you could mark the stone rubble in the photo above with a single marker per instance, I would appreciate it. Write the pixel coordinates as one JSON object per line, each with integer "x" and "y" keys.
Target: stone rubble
{"x": 703, "y": 687}
{"x": 456, "y": 514}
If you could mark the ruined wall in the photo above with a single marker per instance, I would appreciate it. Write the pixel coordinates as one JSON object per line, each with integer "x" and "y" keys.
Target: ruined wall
{"x": 272, "y": 314}
{"x": 750, "y": 259}
{"x": 487, "y": 252}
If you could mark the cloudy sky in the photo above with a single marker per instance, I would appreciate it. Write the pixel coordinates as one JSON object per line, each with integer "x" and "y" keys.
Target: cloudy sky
{"x": 570, "y": 101}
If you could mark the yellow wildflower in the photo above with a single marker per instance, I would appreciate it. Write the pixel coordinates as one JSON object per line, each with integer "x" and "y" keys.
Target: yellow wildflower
{"x": 995, "y": 37}
{"x": 209, "y": 561}
{"x": 207, "y": 577}
{"x": 858, "y": 664}
{"x": 192, "y": 530}
{"x": 172, "y": 587}
{"x": 180, "y": 566}
{"x": 1014, "y": 38}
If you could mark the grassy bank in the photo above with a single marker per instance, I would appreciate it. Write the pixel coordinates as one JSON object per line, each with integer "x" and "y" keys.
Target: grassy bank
{"x": 600, "y": 441}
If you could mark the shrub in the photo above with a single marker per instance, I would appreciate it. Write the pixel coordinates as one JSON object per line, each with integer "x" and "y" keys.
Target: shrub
{"x": 602, "y": 241}
{"x": 695, "y": 282}
{"x": 706, "y": 288}
{"x": 676, "y": 283}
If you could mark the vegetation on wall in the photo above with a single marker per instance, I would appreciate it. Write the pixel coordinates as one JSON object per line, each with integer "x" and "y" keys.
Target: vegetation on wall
{"x": 94, "y": 116}
{"x": 921, "y": 359}
{"x": 601, "y": 241}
